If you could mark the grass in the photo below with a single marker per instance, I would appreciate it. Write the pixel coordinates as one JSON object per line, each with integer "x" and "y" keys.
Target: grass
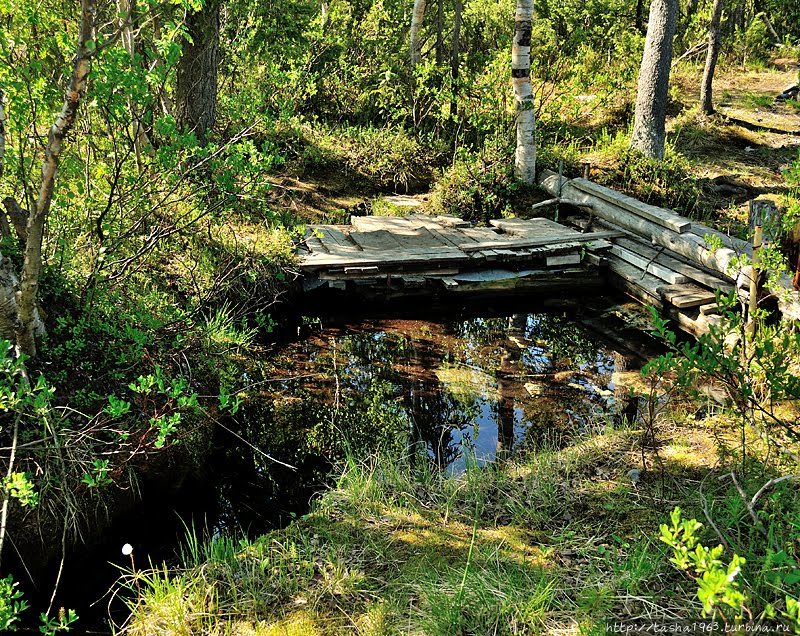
{"x": 559, "y": 540}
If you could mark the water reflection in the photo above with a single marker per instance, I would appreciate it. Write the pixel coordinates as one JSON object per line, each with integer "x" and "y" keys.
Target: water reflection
{"x": 490, "y": 385}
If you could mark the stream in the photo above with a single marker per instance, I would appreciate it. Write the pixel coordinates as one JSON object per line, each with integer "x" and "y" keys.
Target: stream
{"x": 487, "y": 382}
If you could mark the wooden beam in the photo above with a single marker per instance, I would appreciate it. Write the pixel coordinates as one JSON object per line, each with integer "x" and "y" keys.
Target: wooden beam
{"x": 648, "y": 265}
{"x": 572, "y": 237}
{"x": 686, "y": 295}
{"x": 659, "y": 216}
{"x": 635, "y": 282}
{"x": 671, "y": 260}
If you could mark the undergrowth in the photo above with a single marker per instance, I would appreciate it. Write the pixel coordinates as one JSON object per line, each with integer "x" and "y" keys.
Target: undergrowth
{"x": 556, "y": 540}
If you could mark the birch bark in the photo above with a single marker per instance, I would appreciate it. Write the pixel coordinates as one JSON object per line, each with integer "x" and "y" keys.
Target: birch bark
{"x": 29, "y": 324}
{"x": 525, "y": 156}
{"x": 417, "y": 16}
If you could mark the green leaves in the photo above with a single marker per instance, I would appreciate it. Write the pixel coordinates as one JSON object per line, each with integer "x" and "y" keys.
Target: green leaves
{"x": 99, "y": 474}
{"x": 717, "y": 585}
{"x": 11, "y": 604}
{"x": 20, "y": 487}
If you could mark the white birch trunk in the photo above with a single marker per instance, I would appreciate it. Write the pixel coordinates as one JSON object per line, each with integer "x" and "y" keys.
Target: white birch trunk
{"x": 29, "y": 323}
{"x": 417, "y": 16}
{"x": 525, "y": 156}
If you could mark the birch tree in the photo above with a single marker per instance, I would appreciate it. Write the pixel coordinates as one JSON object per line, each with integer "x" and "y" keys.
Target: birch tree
{"x": 653, "y": 86}
{"x": 525, "y": 156}
{"x": 417, "y": 15}
{"x": 706, "y": 97}
{"x": 18, "y": 297}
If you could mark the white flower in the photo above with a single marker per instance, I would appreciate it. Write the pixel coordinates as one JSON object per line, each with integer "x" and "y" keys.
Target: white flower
{"x": 127, "y": 549}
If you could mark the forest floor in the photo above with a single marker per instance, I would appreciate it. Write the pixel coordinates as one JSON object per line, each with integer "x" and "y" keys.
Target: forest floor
{"x": 561, "y": 541}
{"x": 736, "y": 155}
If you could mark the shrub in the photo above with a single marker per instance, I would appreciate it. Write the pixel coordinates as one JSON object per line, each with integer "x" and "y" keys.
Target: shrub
{"x": 479, "y": 186}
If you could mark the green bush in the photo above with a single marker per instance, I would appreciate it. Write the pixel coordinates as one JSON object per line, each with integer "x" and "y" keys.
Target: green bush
{"x": 479, "y": 186}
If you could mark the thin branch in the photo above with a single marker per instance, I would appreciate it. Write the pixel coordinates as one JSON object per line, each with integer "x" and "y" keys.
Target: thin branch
{"x": 768, "y": 485}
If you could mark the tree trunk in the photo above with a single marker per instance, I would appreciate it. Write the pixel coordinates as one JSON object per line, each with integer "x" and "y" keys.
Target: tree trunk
{"x": 706, "y": 100}
{"x": 640, "y": 16}
{"x": 323, "y": 13}
{"x": 439, "y": 33}
{"x": 455, "y": 57}
{"x": 196, "y": 79}
{"x": 29, "y": 323}
{"x": 525, "y": 156}
{"x": 653, "y": 87}
{"x": 416, "y": 26}
{"x": 126, "y": 10}
{"x": 2, "y": 132}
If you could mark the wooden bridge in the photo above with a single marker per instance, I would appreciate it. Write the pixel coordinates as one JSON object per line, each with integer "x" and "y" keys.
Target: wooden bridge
{"x": 656, "y": 256}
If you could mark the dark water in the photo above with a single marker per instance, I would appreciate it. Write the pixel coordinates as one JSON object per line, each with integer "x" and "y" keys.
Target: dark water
{"x": 473, "y": 386}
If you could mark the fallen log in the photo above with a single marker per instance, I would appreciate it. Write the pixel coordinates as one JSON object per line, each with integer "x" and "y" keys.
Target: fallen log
{"x": 659, "y": 216}
{"x": 688, "y": 245}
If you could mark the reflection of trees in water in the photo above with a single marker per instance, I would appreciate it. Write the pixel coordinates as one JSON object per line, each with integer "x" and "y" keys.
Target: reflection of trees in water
{"x": 407, "y": 362}
{"x": 426, "y": 368}
{"x": 436, "y": 414}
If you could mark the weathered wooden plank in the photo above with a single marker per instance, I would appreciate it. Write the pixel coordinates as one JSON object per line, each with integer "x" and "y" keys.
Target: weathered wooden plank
{"x": 660, "y": 216}
{"x": 533, "y": 228}
{"x": 596, "y": 260}
{"x": 480, "y": 233}
{"x": 334, "y": 239}
{"x": 649, "y": 266}
{"x": 572, "y": 237}
{"x": 564, "y": 259}
{"x": 671, "y": 260}
{"x": 375, "y": 240}
{"x": 442, "y": 220}
{"x": 384, "y": 259}
{"x": 314, "y": 244}
{"x": 418, "y": 238}
{"x": 686, "y": 295}
{"x": 636, "y": 282}
{"x": 599, "y": 245}
{"x": 709, "y": 309}
{"x": 372, "y": 223}
{"x": 452, "y": 236}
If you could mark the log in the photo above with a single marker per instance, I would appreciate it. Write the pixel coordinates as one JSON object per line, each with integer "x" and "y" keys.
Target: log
{"x": 731, "y": 242}
{"x": 659, "y": 216}
{"x": 649, "y": 266}
{"x": 687, "y": 245}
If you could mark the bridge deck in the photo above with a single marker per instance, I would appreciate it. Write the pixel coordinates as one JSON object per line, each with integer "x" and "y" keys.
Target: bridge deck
{"x": 652, "y": 254}
{"x": 442, "y": 246}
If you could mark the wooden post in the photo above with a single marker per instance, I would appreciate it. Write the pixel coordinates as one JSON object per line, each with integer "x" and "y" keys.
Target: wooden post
{"x": 587, "y": 169}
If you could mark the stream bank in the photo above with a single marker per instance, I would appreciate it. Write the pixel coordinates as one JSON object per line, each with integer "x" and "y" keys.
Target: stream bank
{"x": 483, "y": 382}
